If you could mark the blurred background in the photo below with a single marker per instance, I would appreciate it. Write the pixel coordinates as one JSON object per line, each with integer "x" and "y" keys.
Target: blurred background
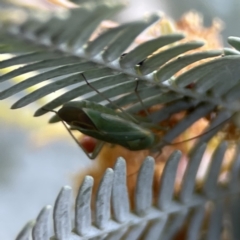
{"x": 227, "y": 11}
{"x": 37, "y": 160}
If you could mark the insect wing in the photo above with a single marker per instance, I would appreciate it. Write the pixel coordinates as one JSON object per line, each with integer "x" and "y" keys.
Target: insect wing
{"x": 79, "y": 105}
{"x": 116, "y": 130}
{"x": 124, "y": 129}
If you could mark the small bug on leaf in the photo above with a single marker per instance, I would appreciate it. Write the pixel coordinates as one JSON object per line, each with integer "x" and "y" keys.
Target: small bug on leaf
{"x": 112, "y": 126}
{"x": 106, "y": 125}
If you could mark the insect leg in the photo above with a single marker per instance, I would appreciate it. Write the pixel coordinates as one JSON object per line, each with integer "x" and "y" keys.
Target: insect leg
{"x": 97, "y": 148}
{"x": 113, "y": 104}
{"x": 211, "y": 129}
{"x": 140, "y": 100}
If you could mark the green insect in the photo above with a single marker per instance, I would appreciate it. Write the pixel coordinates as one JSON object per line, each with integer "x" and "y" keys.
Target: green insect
{"x": 107, "y": 125}
{"x": 111, "y": 126}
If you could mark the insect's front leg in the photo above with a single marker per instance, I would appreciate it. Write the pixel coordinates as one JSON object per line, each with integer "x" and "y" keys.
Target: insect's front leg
{"x": 96, "y": 150}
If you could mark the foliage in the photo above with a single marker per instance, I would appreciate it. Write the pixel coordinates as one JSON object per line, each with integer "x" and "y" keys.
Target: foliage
{"x": 192, "y": 214}
{"x": 62, "y": 48}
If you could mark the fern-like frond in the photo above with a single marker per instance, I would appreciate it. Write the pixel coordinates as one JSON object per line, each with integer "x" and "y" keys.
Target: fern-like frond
{"x": 64, "y": 49}
{"x": 99, "y": 59}
{"x": 161, "y": 217}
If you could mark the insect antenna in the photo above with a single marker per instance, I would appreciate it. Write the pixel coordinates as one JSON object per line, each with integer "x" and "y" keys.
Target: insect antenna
{"x": 97, "y": 148}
